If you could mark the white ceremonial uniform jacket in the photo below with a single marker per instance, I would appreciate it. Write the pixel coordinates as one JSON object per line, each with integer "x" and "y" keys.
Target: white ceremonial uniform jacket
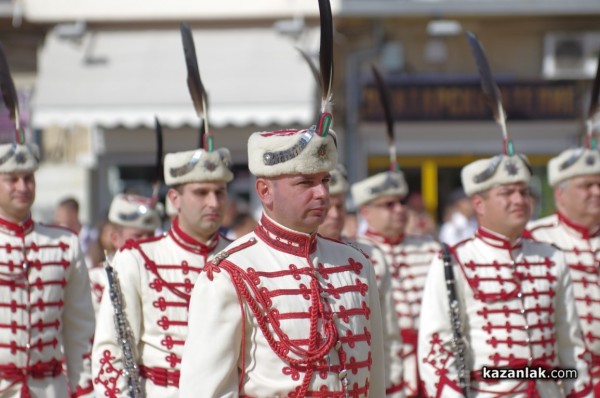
{"x": 582, "y": 252}
{"x": 408, "y": 258}
{"x": 285, "y": 314}
{"x": 156, "y": 277}
{"x": 392, "y": 340}
{"x": 516, "y": 311}
{"x": 46, "y": 315}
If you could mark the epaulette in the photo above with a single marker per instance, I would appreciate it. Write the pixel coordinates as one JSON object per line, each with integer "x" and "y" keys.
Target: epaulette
{"x": 225, "y": 238}
{"x": 353, "y": 245}
{"x": 529, "y": 231}
{"x": 61, "y": 227}
{"x": 135, "y": 243}
{"x": 223, "y": 254}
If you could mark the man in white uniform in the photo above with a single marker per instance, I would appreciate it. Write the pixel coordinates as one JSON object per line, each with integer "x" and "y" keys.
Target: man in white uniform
{"x": 332, "y": 228}
{"x": 157, "y": 276}
{"x": 575, "y": 229}
{"x": 333, "y": 224}
{"x": 380, "y": 201}
{"x": 515, "y": 305}
{"x": 282, "y": 311}
{"x": 132, "y": 217}
{"x": 46, "y": 314}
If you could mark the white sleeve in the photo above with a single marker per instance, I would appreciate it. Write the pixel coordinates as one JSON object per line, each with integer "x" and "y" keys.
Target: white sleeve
{"x": 569, "y": 337}
{"x": 209, "y": 366}
{"x": 392, "y": 340}
{"x": 78, "y": 325}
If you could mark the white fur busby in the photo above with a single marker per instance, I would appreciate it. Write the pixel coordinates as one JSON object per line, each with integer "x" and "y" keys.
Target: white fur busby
{"x": 338, "y": 182}
{"x": 572, "y": 163}
{"x": 134, "y": 211}
{"x": 198, "y": 166}
{"x": 378, "y": 185}
{"x": 276, "y": 153}
{"x": 483, "y": 174}
{"x": 16, "y": 158}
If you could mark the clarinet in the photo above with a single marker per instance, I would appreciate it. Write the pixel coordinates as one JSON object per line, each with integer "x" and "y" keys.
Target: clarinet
{"x": 457, "y": 340}
{"x": 124, "y": 335}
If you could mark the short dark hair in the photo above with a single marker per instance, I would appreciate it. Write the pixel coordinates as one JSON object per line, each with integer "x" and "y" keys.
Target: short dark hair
{"x": 70, "y": 203}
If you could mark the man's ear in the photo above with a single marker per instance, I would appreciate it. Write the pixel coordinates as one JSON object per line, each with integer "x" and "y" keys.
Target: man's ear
{"x": 175, "y": 198}
{"x": 115, "y": 237}
{"x": 264, "y": 190}
{"x": 477, "y": 202}
{"x": 559, "y": 196}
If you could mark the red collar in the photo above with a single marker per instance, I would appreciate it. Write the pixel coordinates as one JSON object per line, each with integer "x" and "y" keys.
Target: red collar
{"x": 496, "y": 240}
{"x": 20, "y": 229}
{"x": 189, "y": 243}
{"x": 585, "y": 232}
{"x": 383, "y": 239}
{"x": 284, "y": 239}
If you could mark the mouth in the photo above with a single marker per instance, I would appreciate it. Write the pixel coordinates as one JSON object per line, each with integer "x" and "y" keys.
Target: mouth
{"x": 519, "y": 212}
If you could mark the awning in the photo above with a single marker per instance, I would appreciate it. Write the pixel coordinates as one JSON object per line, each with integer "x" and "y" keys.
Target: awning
{"x": 253, "y": 76}
{"x": 54, "y": 11}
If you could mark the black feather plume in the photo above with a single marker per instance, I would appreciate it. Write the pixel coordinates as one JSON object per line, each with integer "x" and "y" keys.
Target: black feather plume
{"x": 197, "y": 91}
{"x": 386, "y": 103}
{"x": 202, "y": 132}
{"x": 594, "y": 110}
{"x": 9, "y": 93}
{"x": 326, "y": 52}
{"x": 159, "y": 151}
{"x": 158, "y": 168}
{"x": 489, "y": 86}
{"x": 311, "y": 65}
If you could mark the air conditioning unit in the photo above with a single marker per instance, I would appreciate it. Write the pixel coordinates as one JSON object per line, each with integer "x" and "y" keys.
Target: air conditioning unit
{"x": 570, "y": 55}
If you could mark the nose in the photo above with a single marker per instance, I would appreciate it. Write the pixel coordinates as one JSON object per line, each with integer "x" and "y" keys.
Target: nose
{"x": 322, "y": 191}
{"x": 21, "y": 185}
{"x": 212, "y": 199}
{"x": 595, "y": 188}
{"x": 521, "y": 197}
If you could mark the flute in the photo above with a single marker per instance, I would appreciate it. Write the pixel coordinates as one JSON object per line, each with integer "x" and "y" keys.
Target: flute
{"x": 124, "y": 334}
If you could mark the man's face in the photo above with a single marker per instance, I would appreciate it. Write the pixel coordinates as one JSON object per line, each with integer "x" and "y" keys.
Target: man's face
{"x": 386, "y": 215}
{"x": 200, "y": 207}
{"x": 504, "y": 209}
{"x": 298, "y": 202}
{"x": 17, "y": 193}
{"x": 336, "y": 216}
{"x": 579, "y": 199}
{"x": 120, "y": 235}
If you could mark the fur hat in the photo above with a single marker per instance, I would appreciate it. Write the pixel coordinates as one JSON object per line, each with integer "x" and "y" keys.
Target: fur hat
{"x": 134, "y": 211}
{"x": 15, "y": 158}
{"x": 378, "y": 185}
{"x": 276, "y": 153}
{"x": 483, "y": 174}
{"x": 338, "y": 182}
{"x": 572, "y": 163}
{"x": 198, "y": 166}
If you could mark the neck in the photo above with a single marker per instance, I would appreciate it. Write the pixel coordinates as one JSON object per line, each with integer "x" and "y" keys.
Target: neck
{"x": 391, "y": 235}
{"x": 510, "y": 234}
{"x": 587, "y": 222}
{"x": 14, "y": 218}
{"x": 197, "y": 236}
{"x": 294, "y": 228}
